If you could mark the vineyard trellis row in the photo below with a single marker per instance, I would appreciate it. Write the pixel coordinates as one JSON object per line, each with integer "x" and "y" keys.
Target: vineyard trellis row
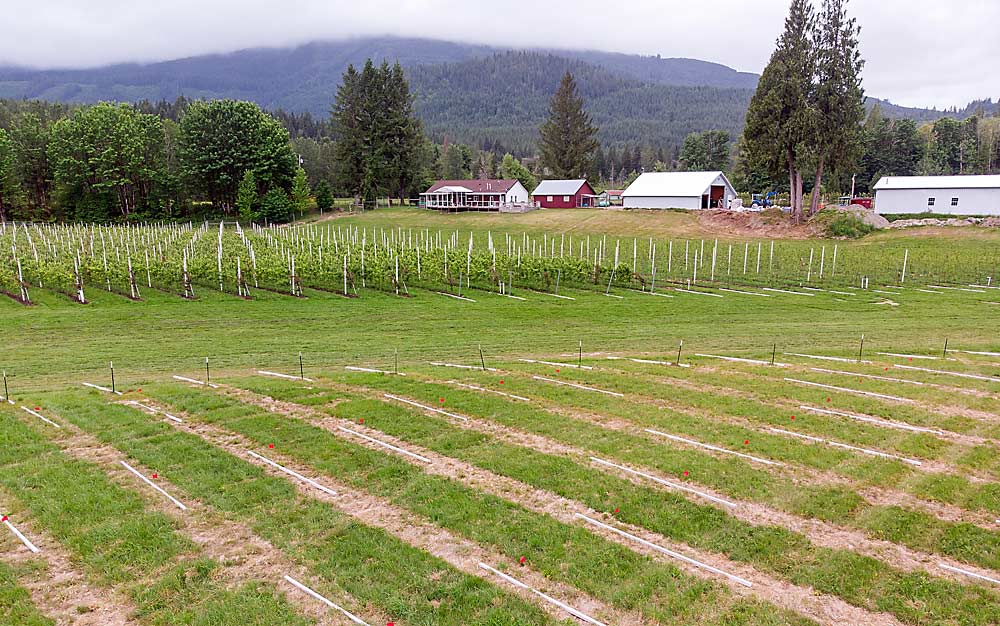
{"x": 176, "y": 258}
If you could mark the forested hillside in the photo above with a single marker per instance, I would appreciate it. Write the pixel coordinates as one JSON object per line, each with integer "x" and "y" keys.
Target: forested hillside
{"x": 503, "y": 98}
{"x": 480, "y": 95}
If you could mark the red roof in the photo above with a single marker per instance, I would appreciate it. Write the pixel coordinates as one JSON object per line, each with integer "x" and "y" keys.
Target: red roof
{"x": 477, "y": 186}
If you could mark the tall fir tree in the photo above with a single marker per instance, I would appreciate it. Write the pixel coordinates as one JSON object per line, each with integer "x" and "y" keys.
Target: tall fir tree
{"x": 569, "y": 137}
{"x": 838, "y": 98}
{"x": 379, "y": 139}
{"x": 780, "y": 119}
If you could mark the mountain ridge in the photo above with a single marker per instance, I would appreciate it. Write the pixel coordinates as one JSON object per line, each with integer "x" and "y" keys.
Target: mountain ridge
{"x": 635, "y": 98}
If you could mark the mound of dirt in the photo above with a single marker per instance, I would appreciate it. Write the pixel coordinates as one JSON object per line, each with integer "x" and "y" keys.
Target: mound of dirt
{"x": 771, "y": 223}
{"x": 866, "y": 215}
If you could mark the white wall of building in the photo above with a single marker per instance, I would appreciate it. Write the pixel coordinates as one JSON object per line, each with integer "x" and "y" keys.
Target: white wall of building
{"x": 979, "y": 201}
{"x": 517, "y": 193}
{"x": 661, "y": 202}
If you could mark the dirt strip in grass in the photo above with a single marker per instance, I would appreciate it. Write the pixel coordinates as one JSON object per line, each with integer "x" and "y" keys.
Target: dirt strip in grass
{"x": 120, "y": 545}
{"x": 701, "y": 527}
{"x": 390, "y": 578}
{"x": 244, "y": 558}
{"x": 569, "y": 554}
{"x": 823, "y": 608}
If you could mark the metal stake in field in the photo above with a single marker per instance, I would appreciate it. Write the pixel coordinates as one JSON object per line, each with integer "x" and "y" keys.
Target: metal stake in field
{"x": 302, "y": 373}
{"x": 679, "y": 348}
{"x": 579, "y": 360}
{"x": 774, "y": 351}
{"x": 208, "y": 377}
{"x": 862, "y": 348}
{"x": 906, "y": 257}
{"x": 482, "y": 359}
{"x": 6, "y": 393}
{"x": 113, "y": 390}
{"x": 944, "y": 355}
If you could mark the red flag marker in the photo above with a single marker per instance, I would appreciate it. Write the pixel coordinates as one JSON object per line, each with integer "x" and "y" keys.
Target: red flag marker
{"x": 828, "y": 399}
{"x": 557, "y": 370}
{"x": 911, "y": 359}
{"x": 4, "y": 519}
{"x": 156, "y": 475}
{"x": 390, "y": 624}
{"x": 271, "y": 446}
{"x": 139, "y": 389}
{"x": 746, "y": 442}
{"x": 361, "y": 420}
{"x": 501, "y": 382}
{"x": 523, "y": 560}
{"x": 887, "y": 369}
{"x": 616, "y": 510}
{"x": 793, "y": 417}
{"x": 685, "y": 473}
{"x": 441, "y": 400}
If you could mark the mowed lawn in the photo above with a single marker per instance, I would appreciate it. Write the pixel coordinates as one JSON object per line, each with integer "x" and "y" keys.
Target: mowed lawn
{"x": 58, "y": 342}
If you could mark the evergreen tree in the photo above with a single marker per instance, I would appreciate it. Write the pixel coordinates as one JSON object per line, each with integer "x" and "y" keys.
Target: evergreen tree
{"x": 568, "y": 137}
{"x": 246, "y": 197}
{"x": 453, "y": 163}
{"x": 379, "y": 139}
{"x": 324, "y": 196}
{"x": 275, "y": 206}
{"x": 780, "y": 119}
{"x": 837, "y": 97}
{"x": 300, "y": 191}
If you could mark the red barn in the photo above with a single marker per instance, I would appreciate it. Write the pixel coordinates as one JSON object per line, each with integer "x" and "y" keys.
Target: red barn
{"x": 564, "y": 194}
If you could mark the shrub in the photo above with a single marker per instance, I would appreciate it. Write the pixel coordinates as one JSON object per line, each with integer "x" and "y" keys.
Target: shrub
{"x": 276, "y": 206}
{"x": 847, "y": 225}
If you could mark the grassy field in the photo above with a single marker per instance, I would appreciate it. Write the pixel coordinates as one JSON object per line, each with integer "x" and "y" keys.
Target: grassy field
{"x": 845, "y": 483}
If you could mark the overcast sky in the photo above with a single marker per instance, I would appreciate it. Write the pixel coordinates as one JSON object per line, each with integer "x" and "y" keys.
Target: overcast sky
{"x": 919, "y": 52}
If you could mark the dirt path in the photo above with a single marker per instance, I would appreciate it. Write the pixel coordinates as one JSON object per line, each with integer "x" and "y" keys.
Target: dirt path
{"x": 60, "y": 590}
{"x": 244, "y": 556}
{"x": 414, "y": 530}
{"x": 823, "y": 608}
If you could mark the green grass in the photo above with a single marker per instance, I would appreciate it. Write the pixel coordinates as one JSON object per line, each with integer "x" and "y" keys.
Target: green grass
{"x": 729, "y": 475}
{"x": 380, "y": 571}
{"x": 564, "y": 553}
{"x": 16, "y": 608}
{"x": 859, "y": 580}
{"x": 104, "y": 525}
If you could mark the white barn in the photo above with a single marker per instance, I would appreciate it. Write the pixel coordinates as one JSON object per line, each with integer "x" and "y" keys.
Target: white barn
{"x": 679, "y": 190}
{"x": 951, "y": 195}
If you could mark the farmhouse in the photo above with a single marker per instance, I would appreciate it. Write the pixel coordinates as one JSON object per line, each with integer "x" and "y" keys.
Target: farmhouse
{"x": 952, "y": 195}
{"x": 481, "y": 194}
{"x": 679, "y": 190}
{"x": 564, "y": 194}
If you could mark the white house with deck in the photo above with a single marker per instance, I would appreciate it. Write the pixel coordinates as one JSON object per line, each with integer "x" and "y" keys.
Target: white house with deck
{"x": 679, "y": 190}
{"x": 949, "y": 195}
{"x": 476, "y": 195}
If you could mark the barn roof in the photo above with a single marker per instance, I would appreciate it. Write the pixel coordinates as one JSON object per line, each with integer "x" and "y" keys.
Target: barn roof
{"x": 673, "y": 184}
{"x": 938, "y": 182}
{"x": 559, "y": 187}
{"x": 475, "y": 186}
